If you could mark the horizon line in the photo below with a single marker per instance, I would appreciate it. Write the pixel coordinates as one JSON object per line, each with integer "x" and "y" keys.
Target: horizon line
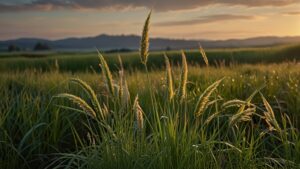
{"x": 154, "y": 37}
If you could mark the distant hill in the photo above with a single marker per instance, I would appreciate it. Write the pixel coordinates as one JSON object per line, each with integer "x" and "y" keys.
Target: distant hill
{"x": 110, "y": 42}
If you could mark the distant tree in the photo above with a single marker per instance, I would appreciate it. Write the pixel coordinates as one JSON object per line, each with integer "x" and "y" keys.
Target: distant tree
{"x": 41, "y": 46}
{"x": 13, "y": 48}
{"x": 168, "y": 48}
{"x": 122, "y": 50}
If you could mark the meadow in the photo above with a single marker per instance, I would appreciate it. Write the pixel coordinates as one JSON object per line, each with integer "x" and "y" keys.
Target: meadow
{"x": 223, "y": 108}
{"x": 88, "y": 61}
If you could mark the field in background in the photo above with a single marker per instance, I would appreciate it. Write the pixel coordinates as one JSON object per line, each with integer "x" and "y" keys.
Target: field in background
{"x": 82, "y": 61}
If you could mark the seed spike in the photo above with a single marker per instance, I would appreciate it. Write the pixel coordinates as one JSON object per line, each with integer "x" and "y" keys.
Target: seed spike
{"x": 183, "y": 77}
{"x": 107, "y": 74}
{"x": 138, "y": 113}
{"x": 144, "y": 48}
{"x": 204, "y": 98}
{"x": 203, "y": 54}
{"x": 169, "y": 77}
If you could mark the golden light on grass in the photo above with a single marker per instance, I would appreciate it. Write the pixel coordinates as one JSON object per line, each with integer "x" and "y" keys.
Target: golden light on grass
{"x": 144, "y": 48}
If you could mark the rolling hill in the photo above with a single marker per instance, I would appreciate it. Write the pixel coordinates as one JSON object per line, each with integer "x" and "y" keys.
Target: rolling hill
{"x": 109, "y": 42}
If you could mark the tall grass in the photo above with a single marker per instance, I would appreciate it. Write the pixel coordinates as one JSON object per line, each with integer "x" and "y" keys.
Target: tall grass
{"x": 169, "y": 78}
{"x": 239, "y": 143}
{"x": 145, "y": 41}
{"x": 25, "y": 104}
{"x": 183, "y": 78}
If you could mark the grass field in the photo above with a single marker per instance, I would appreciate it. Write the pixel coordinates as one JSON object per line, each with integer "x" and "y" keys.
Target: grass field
{"x": 240, "y": 111}
{"x": 87, "y": 61}
{"x": 36, "y": 130}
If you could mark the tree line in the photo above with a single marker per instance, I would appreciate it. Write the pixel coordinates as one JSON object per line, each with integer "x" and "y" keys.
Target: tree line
{"x": 39, "y": 46}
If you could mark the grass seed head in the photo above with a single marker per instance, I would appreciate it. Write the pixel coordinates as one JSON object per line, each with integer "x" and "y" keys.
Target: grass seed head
{"x": 204, "y": 98}
{"x": 91, "y": 93}
{"x": 169, "y": 78}
{"x": 138, "y": 113}
{"x": 144, "y": 48}
{"x": 270, "y": 116}
{"x": 107, "y": 74}
{"x": 243, "y": 116}
{"x": 204, "y": 55}
{"x": 80, "y": 102}
{"x": 183, "y": 77}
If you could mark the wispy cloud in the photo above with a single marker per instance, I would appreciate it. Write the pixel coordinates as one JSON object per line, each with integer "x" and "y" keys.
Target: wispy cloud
{"x": 208, "y": 19}
{"x": 165, "y": 5}
{"x": 292, "y": 13}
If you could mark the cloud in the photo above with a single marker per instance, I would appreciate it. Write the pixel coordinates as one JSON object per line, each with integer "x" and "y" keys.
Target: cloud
{"x": 292, "y": 13}
{"x": 208, "y": 19}
{"x": 18, "y": 8}
{"x": 159, "y": 5}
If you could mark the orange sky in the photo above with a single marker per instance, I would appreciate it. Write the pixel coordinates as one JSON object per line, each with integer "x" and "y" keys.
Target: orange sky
{"x": 46, "y": 19}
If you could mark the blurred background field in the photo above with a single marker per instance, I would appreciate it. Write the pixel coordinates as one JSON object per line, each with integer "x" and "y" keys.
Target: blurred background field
{"x": 87, "y": 61}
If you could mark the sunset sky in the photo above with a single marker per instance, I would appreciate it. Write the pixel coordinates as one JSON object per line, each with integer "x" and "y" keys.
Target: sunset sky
{"x": 189, "y": 19}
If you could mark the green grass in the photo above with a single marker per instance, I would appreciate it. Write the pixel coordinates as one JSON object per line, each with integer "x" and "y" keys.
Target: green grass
{"x": 75, "y": 62}
{"x": 36, "y": 131}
